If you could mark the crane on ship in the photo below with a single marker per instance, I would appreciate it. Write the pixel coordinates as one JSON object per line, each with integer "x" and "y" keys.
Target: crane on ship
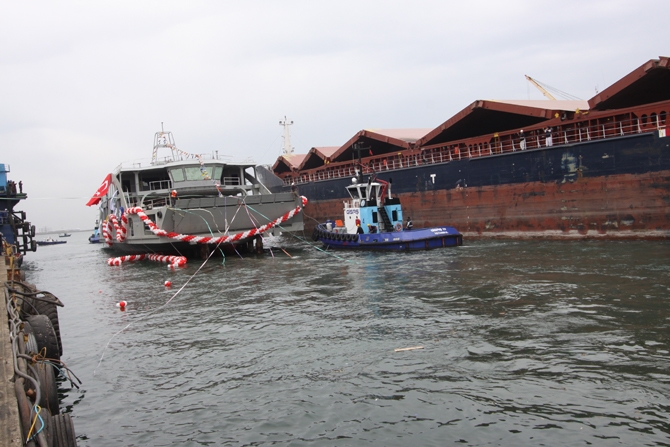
{"x": 544, "y": 89}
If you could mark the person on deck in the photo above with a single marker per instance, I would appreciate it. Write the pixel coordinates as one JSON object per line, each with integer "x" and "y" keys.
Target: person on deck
{"x": 360, "y": 230}
{"x": 372, "y": 229}
{"x": 408, "y": 224}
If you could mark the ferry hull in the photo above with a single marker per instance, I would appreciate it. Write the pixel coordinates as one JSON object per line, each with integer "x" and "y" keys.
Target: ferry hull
{"x": 206, "y": 218}
{"x": 618, "y": 188}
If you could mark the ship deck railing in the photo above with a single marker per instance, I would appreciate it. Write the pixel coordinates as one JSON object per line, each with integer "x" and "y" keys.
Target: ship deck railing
{"x": 490, "y": 145}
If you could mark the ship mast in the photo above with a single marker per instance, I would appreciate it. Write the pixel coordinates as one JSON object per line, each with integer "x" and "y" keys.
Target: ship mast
{"x": 288, "y": 150}
{"x": 164, "y": 139}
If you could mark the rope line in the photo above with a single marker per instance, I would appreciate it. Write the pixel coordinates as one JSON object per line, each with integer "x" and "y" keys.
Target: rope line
{"x": 121, "y": 229}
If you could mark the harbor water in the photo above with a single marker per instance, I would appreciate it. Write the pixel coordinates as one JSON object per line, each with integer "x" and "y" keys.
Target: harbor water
{"x": 523, "y": 343}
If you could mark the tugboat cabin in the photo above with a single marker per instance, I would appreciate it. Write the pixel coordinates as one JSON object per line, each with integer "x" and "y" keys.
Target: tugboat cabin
{"x": 373, "y": 206}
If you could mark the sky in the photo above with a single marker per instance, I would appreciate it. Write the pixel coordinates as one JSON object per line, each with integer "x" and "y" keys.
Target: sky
{"x": 84, "y": 85}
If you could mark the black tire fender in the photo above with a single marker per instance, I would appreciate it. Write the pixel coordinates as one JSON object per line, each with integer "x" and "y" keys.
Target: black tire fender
{"x": 51, "y": 311}
{"x": 45, "y": 335}
{"x": 63, "y": 431}
{"x": 46, "y": 375}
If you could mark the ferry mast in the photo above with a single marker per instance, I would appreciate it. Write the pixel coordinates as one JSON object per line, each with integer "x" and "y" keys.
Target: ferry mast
{"x": 288, "y": 149}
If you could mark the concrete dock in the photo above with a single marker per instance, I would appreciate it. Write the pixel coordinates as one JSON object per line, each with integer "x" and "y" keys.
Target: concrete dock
{"x": 10, "y": 431}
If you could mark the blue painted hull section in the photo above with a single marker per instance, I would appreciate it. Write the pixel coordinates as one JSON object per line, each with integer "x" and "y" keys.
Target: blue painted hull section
{"x": 411, "y": 240}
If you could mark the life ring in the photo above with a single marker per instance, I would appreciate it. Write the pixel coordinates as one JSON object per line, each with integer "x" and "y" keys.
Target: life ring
{"x": 398, "y": 227}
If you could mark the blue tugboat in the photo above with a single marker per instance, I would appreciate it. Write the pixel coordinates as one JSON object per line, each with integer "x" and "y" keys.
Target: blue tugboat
{"x": 373, "y": 220}
{"x": 95, "y": 237}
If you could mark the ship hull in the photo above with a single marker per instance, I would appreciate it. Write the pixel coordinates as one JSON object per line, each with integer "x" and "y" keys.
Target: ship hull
{"x": 618, "y": 188}
{"x": 206, "y": 218}
{"x": 408, "y": 240}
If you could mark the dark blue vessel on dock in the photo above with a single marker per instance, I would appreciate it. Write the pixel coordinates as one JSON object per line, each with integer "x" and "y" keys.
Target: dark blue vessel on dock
{"x": 14, "y": 228}
{"x": 373, "y": 220}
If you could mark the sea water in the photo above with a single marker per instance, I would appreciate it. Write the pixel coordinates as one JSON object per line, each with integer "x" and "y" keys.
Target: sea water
{"x": 519, "y": 343}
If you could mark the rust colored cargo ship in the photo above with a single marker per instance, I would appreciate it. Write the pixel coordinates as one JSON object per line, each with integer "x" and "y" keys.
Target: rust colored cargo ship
{"x": 596, "y": 168}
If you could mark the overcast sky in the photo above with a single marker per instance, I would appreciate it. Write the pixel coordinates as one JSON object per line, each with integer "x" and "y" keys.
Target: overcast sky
{"x": 85, "y": 85}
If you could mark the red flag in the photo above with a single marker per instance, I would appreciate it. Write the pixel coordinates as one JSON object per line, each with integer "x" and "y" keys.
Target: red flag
{"x": 102, "y": 190}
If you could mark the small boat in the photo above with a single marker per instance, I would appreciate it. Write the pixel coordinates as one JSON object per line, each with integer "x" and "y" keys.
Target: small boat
{"x": 95, "y": 237}
{"x": 50, "y": 241}
{"x": 191, "y": 204}
{"x": 64, "y": 235}
{"x": 373, "y": 220}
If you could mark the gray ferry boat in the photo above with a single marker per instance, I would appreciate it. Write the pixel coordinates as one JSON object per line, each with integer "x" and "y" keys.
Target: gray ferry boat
{"x": 190, "y": 204}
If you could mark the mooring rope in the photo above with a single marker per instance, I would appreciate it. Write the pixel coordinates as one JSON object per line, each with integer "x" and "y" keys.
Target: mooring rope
{"x": 121, "y": 229}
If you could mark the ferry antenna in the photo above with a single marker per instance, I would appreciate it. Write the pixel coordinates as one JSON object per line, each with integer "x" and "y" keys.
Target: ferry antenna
{"x": 288, "y": 149}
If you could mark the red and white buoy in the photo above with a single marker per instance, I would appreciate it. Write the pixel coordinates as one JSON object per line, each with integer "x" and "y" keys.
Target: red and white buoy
{"x": 122, "y": 305}
{"x": 168, "y": 283}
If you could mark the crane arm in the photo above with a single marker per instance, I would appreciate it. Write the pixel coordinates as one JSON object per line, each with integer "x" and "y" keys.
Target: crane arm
{"x": 540, "y": 88}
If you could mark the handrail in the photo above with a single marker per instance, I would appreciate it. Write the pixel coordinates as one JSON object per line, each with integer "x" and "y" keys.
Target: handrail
{"x": 489, "y": 145}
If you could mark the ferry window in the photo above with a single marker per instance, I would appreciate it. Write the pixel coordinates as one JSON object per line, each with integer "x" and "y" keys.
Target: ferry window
{"x": 193, "y": 173}
{"x": 215, "y": 172}
{"x": 644, "y": 120}
{"x": 177, "y": 175}
{"x": 653, "y": 118}
{"x": 662, "y": 115}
